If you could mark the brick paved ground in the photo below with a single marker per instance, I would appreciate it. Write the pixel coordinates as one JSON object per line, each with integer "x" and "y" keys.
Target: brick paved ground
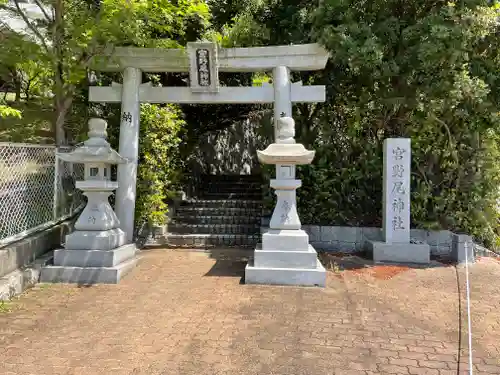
{"x": 185, "y": 313}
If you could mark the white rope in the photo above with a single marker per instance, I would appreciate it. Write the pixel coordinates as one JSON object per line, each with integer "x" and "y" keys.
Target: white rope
{"x": 468, "y": 304}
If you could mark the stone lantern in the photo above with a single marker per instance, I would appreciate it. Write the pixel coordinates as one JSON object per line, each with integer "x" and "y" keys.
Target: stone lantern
{"x": 96, "y": 252}
{"x": 285, "y": 255}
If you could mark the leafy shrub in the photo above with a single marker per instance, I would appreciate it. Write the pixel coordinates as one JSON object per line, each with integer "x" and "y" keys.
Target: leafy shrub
{"x": 421, "y": 69}
{"x": 159, "y": 162}
{"x": 160, "y": 166}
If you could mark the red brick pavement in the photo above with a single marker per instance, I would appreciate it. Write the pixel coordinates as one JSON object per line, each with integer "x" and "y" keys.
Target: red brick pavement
{"x": 185, "y": 313}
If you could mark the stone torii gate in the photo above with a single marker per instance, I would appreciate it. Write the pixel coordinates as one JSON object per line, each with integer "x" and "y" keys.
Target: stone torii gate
{"x": 203, "y": 61}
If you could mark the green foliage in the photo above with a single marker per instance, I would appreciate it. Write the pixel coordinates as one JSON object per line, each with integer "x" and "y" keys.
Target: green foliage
{"x": 422, "y": 69}
{"x": 34, "y": 126}
{"x": 67, "y": 44}
{"x": 6, "y": 111}
{"x": 56, "y": 54}
{"x": 171, "y": 24}
{"x": 5, "y": 307}
{"x": 159, "y": 161}
{"x": 160, "y": 165}
{"x": 264, "y": 22}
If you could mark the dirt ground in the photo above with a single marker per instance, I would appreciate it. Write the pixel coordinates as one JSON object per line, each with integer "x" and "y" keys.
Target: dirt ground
{"x": 189, "y": 313}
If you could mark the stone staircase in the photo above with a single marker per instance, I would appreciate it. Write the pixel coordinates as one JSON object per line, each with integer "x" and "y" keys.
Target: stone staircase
{"x": 226, "y": 213}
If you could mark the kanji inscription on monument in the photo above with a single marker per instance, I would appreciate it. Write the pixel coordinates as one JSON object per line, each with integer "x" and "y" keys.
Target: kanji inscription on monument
{"x": 396, "y": 205}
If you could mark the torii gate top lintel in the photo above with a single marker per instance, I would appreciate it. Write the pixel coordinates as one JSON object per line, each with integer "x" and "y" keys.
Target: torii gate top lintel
{"x": 204, "y": 61}
{"x": 301, "y": 57}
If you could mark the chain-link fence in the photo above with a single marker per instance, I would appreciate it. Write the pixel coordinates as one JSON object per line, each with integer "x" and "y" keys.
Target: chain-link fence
{"x": 37, "y": 189}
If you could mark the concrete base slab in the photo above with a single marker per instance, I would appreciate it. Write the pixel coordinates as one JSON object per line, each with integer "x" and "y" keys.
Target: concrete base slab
{"x": 286, "y": 276}
{"x": 290, "y": 240}
{"x": 94, "y": 258}
{"x": 462, "y": 248}
{"x": 399, "y": 252}
{"x": 87, "y": 275}
{"x": 16, "y": 282}
{"x": 284, "y": 258}
{"x": 95, "y": 240}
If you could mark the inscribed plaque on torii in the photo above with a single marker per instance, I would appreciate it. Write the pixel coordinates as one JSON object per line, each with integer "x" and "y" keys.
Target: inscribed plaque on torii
{"x": 203, "y": 67}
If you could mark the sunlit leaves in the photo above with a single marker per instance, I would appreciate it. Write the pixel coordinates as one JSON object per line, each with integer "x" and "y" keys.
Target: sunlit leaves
{"x": 6, "y": 111}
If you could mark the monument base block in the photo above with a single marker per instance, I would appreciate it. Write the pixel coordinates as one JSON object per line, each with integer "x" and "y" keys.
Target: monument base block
{"x": 286, "y": 276}
{"x": 399, "y": 252}
{"x": 291, "y": 240}
{"x": 285, "y": 258}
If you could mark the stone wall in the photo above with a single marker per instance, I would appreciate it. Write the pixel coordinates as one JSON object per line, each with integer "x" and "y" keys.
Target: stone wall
{"x": 18, "y": 261}
{"x": 336, "y": 238}
{"x": 352, "y": 239}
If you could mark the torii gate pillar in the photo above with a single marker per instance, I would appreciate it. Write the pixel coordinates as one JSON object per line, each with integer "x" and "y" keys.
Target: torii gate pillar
{"x": 128, "y": 148}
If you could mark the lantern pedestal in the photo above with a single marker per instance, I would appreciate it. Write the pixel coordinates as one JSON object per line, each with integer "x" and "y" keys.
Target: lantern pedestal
{"x": 96, "y": 252}
{"x": 90, "y": 266}
{"x": 285, "y": 256}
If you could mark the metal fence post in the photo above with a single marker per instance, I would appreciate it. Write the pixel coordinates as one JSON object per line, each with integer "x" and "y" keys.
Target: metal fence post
{"x": 55, "y": 200}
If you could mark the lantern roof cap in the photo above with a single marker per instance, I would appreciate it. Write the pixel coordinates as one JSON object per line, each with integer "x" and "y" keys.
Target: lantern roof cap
{"x": 95, "y": 149}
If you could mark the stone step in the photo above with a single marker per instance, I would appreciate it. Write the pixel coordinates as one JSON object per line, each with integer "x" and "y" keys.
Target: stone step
{"x": 229, "y": 186}
{"x": 223, "y": 203}
{"x": 178, "y": 228}
{"x": 231, "y": 196}
{"x": 217, "y": 219}
{"x": 240, "y": 194}
{"x": 209, "y": 240}
{"x": 231, "y": 178}
{"x": 219, "y": 211}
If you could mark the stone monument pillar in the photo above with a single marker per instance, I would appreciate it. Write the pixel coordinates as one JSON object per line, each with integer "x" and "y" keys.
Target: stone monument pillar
{"x": 97, "y": 251}
{"x": 285, "y": 256}
{"x": 397, "y": 246}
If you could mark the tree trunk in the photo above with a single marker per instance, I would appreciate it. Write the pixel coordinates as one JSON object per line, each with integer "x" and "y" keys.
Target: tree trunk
{"x": 17, "y": 85}
{"x": 62, "y": 108}
{"x": 60, "y": 102}
{"x": 27, "y": 91}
